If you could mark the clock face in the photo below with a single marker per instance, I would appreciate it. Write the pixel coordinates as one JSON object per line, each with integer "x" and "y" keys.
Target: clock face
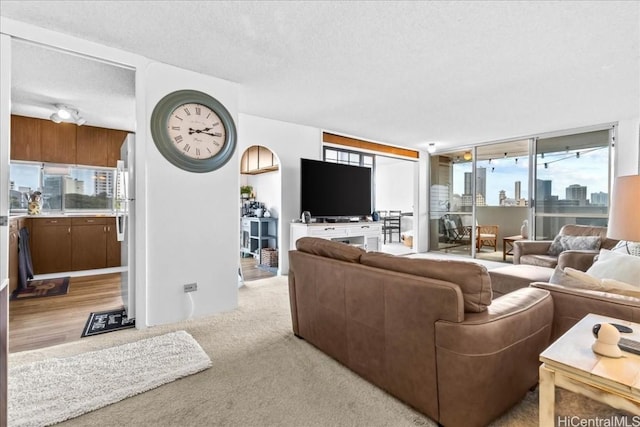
{"x": 196, "y": 131}
{"x": 193, "y": 131}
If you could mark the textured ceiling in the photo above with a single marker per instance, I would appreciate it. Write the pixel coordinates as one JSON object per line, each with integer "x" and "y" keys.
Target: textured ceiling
{"x": 404, "y": 73}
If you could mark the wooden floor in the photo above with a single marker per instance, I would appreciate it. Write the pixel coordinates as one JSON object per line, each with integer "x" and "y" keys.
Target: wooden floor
{"x": 251, "y": 271}
{"x": 43, "y": 322}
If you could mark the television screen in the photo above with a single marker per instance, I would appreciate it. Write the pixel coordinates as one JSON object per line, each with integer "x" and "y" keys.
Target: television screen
{"x": 334, "y": 190}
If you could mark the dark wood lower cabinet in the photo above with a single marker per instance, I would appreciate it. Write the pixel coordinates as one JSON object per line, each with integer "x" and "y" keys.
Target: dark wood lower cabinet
{"x": 51, "y": 245}
{"x": 73, "y": 244}
{"x": 89, "y": 244}
{"x": 114, "y": 247}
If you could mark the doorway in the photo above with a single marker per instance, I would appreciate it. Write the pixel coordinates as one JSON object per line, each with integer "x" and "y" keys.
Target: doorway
{"x": 102, "y": 96}
{"x": 260, "y": 207}
{"x": 479, "y": 196}
{"x": 394, "y": 196}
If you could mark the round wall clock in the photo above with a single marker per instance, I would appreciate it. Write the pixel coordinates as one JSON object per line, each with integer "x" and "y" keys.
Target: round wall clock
{"x": 193, "y": 130}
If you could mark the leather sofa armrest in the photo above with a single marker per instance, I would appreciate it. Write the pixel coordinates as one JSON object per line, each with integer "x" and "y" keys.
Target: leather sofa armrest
{"x": 491, "y": 358}
{"x": 499, "y": 325}
{"x": 578, "y": 259}
{"x": 529, "y": 247}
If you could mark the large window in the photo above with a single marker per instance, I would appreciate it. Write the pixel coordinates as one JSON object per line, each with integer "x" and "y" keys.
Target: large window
{"x": 348, "y": 157}
{"x": 553, "y": 181}
{"x": 63, "y": 188}
{"x": 572, "y": 181}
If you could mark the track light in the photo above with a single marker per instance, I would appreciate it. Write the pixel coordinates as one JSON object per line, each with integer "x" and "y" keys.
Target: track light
{"x": 66, "y": 112}
{"x": 431, "y": 148}
{"x": 55, "y": 118}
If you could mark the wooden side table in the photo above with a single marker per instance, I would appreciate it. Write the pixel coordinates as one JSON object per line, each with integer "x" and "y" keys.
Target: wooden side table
{"x": 570, "y": 363}
{"x": 509, "y": 241}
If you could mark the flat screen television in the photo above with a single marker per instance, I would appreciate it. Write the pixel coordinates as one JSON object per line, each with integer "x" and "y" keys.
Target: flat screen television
{"x": 330, "y": 190}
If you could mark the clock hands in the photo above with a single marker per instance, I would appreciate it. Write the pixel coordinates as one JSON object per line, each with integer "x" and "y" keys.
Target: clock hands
{"x": 192, "y": 131}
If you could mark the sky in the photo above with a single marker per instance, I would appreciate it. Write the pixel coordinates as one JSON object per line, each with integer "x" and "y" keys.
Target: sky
{"x": 564, "y": 169}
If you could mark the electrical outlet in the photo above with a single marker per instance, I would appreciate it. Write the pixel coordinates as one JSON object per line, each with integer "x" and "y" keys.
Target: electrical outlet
{"x": 191, "y": 287}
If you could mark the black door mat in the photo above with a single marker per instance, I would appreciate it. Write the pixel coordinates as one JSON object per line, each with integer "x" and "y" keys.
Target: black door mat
{"x": 43, "y": 288}
{"x": 107, "y": 321}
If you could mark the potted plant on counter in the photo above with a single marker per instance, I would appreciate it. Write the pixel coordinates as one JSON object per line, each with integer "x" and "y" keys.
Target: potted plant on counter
{"x": 246, "y": 191}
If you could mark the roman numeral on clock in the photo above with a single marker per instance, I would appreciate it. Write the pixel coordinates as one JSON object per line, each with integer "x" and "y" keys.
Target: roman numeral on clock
{"x": 187, "y": 147}
{"x": 178, "y": 139}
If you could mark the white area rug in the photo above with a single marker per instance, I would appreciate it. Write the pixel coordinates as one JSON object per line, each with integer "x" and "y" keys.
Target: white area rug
{"x": 56, "y": 389}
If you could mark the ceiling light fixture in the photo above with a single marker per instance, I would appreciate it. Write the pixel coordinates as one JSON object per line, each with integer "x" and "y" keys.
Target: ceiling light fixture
{"x": 66, "y": 112}
{"x": 467, "y": 155}
{"x": 431, "y": 148}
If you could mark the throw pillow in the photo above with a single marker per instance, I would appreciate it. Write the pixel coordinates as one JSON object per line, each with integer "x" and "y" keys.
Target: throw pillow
{"x": 617, "y": 266}
{"x": 583, "y": 277}
{"x": 566, "y": 243}
{"x": 576, "y": 279}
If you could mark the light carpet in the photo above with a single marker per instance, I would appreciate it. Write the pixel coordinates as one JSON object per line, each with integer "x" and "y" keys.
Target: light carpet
{"x": 52, "y": 390}
{"x": 262, "y": 375}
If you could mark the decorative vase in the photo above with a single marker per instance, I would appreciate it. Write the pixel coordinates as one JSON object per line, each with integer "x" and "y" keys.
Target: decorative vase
{"x": 524, "y": 229}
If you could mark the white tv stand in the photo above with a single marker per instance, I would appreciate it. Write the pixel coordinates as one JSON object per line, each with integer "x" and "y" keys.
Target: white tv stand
{"x": 365, "y": 235}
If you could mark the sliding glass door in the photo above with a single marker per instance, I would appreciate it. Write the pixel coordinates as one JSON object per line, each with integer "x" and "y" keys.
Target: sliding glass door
{"x": 451, "y": 202}
{"x": 572, "y": 181}
{"x": 490, "y": 190}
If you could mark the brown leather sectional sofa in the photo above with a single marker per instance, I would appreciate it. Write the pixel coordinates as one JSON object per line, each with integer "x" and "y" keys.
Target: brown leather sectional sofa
{"x": 572, "y": 304}
{"x": 426, "y": 331}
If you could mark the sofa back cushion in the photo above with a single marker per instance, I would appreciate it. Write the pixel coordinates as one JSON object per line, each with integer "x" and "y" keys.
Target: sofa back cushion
{"x": 329, "y": 249}
{"x": 473, "y": 279}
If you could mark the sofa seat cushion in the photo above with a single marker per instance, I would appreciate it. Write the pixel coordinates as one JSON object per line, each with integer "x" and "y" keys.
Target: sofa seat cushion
{"x": 539, "y": 260}
{"x": 508, "y": 279}
{"x": 329, "y": 249}
{"x": 473, "y": 279}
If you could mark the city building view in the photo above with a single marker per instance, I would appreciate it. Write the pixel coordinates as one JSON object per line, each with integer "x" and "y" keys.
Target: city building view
{"x": 61, "y": 188}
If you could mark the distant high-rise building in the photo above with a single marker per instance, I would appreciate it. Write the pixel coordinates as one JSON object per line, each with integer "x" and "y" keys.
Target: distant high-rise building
{"x": 502, "y": 196}
{"x": 103, "y": 183}
{"x": 517, "y": 192}
{"x": 600, "y": 199}
{"x": 481, "y": 182}
{"x": 467, "y": 200}
{"x": 577, "y": 192}
{"x": 543, "y": 189}
{"x": 73, "y": 185}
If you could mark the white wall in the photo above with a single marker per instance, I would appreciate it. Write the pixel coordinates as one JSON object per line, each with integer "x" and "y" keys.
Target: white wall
{"x": 5, "y": 135}
{"x": 289, "y": 142}
{"x": 267, "y": 189}
{"x": 192, "y": 218}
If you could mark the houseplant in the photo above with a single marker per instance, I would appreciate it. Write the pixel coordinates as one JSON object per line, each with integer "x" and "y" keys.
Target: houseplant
{"x": 246, "y": 190}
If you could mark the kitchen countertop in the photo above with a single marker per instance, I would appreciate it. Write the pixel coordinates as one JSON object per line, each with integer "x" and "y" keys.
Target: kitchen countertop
{"x": 62, "y": 215}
